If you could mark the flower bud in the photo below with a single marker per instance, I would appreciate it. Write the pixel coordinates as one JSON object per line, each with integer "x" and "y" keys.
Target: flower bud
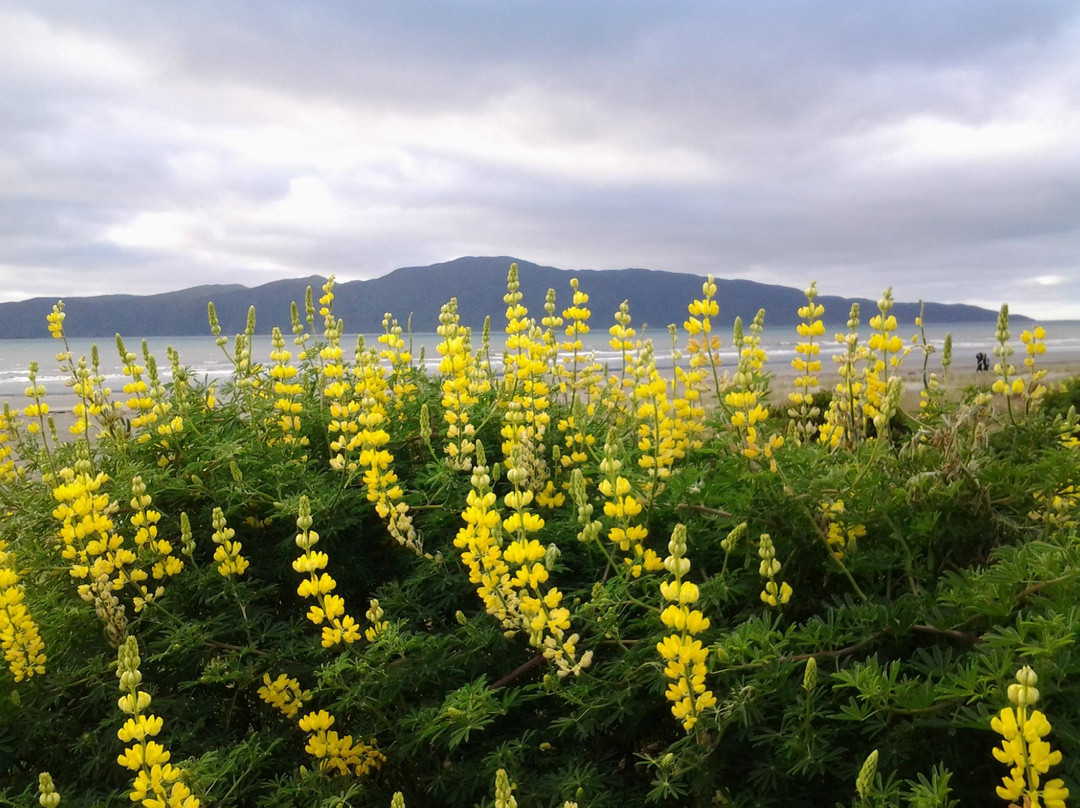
{"x": 865, "y": 781}
{"x": 677, "y": 545}
{"x": 809, "y": 679}
{"x": 425, "y": 422}
{"x": 49, "y": 797}
{"x": 504, "y": 797}
{"x": 732, "y": 539}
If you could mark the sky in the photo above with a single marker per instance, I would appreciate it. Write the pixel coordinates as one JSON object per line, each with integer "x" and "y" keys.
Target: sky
{"x": 931, "y": 146}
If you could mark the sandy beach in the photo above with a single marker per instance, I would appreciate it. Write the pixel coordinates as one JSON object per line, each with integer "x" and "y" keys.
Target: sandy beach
{"x": 61, "y": 405}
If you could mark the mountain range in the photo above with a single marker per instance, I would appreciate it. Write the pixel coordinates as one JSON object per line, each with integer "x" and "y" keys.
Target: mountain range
{"x": 656, "y": 298}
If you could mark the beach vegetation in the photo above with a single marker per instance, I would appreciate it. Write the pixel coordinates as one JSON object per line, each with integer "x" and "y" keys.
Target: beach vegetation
{"x": 349, "y": 577}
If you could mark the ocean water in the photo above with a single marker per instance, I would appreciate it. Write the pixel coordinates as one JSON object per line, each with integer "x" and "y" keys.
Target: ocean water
{"x": 208, "y": 361}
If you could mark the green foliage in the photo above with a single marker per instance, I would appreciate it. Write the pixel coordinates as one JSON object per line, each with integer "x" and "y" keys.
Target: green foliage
{"x": 1062, "y": 396}
{"x": 963, "y": 571}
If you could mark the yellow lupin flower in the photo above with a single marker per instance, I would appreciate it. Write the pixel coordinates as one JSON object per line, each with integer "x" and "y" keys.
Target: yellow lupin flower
{"x": 157, "y": 782}
{"x": 329, "y": 611}
{"x": 140, "y": 402}
{"x": 88, "y": 385}
{"x": 336, "y": 390}
{"x": 579, "y": 369}
{"x": 8, "y": 472}
{"x": 547, "y": 337}
{"x": 807, "y": 364}
{"x": 746, "y": 400}
{"x": 154, "y": 552}
{"x": 885, "y": 350}
{"x": 543, "y": 616}
{"x": 626, "y": 533}
{"x": 338, "y": 754}
{"x": 159, "y": 420}
{"x": 703, "y": 345}
{"x": 844, "y": 420}
{"x": 662, "y": 437}
{"x": 284, "y": 694}
{"x": 287, "y": 390}
{"x": 1057, "y": 508}
{"x": 525, "y": 391}
{"x": 576, "y": 440}
{"x": 1023, "y": 749}
{"x": 1032, "y": 388}
{"x": 92, "y": 545}
{"x": 181, "y": 391}
{"x": 685, "y": 657}
{"x": 480, "y": 541}
{"x": 56, "y": 320}
{"x": 462, "y": 387}
{"x": 375, "y": 615}
{"x": 227, "y": 554}
{"x": 550, "y": 497}
{"x": 38, "y": 410}
{"x": 774, "y": 594}
{"x": 622, "y": 340}
{"x": 1007, "y": 383}
{"x": 20, "y": 640}
{"x": 396, "y": 352}
{"x": 840, "y": 536}
{"x": 382, "y": 483}
{"x": 688, "y": 412}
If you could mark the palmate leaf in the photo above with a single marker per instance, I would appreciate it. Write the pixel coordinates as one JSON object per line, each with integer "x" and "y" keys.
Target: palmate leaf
{"x": 465, "y": 711}
{"x": 932, "y": 792}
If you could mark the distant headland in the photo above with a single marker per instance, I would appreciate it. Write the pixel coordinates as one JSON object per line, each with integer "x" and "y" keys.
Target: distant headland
{"x": 656, "y": 298}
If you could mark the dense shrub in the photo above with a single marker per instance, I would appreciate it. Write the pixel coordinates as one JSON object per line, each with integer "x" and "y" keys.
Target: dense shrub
{"x": 622, "y": 589}
{"x": 1062, "y": 396}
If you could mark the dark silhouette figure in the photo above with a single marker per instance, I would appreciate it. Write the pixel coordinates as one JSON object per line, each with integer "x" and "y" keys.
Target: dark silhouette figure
{"x": 982, "y": 361}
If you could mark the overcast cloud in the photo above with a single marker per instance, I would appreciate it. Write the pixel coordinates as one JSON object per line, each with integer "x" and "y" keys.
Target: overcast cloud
{"x": 931, "y": 146}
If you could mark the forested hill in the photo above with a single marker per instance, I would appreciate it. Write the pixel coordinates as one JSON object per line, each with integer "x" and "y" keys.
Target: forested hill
{"x": 656, "y": 299}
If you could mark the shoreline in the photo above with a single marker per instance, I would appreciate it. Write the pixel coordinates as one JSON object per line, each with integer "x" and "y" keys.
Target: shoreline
{"x": 61, "y": 405}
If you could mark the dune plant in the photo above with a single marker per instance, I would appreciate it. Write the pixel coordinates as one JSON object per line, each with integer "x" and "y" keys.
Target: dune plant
{"x": 592, "y": 587}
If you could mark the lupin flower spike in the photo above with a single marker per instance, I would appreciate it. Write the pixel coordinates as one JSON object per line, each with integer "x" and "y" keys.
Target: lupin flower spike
{"x": 1024, "y": 749}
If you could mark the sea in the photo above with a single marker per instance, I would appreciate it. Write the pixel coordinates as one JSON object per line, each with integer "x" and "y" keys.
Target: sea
{"x": 207, "y": 361}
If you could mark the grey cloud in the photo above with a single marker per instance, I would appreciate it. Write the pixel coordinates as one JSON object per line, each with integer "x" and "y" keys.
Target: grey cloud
{"x": 793, "y": 110}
